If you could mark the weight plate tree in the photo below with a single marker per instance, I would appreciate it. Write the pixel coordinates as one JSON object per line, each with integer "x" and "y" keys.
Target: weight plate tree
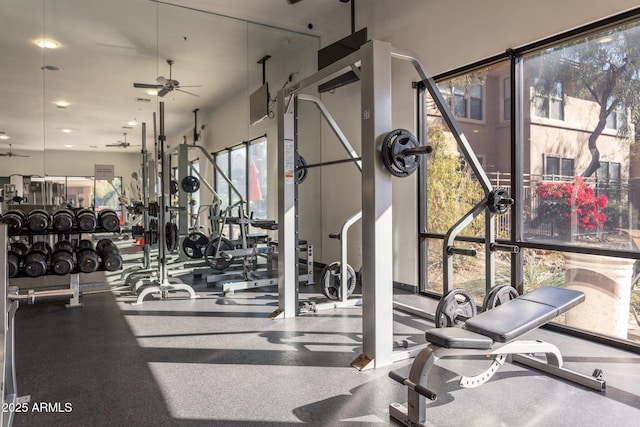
{"x": 455, "y": 308}
{"x": 330, "y": 281}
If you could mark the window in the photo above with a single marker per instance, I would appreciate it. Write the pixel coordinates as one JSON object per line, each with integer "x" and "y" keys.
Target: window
{"x": 615, "y": 120}
{"x": 466, "y": 101}
{"x": 238, "y": 172}
{"x": 557, "y": 168}
{"x": 549, "y": 101}
{"x": 506, "y": 98}
{"x": 257, "y": 166}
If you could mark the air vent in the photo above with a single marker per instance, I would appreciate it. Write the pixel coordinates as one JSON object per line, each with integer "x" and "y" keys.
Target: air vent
{"x": 127, "y": 127}
{"x": 143, "y": 99}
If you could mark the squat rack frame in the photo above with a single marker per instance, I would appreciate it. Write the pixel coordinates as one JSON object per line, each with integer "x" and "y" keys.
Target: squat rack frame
{"x": 374, "y": 59}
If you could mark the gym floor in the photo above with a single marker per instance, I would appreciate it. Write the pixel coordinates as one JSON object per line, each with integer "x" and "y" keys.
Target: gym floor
{"x": 220, "y": 360}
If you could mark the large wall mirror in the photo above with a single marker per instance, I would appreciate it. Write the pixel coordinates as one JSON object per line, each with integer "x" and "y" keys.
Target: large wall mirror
{"x": 73, "y": 104}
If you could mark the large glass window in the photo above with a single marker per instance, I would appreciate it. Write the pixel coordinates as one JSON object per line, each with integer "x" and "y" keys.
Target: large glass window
{"x": 452, "y": 186}
{"x": 257, "y": 166}
{"x": 238, "y": 173}
{"x": 577, "y": 211}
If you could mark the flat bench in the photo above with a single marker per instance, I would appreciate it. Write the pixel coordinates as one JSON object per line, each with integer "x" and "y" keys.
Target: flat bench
{"x": 508, "y": 321}
{"x": 493, "y": 333}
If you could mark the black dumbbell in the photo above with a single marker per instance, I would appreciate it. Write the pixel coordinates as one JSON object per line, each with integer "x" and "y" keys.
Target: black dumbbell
{"x": 109, "y": 254}
{"x": 15, "y": 255}
{"x": 15, "y": 220}
{"x": 63, "y": 220}
{"x": 62, "y": 258}
{"x": 86, "y": 220}
{"x": 109, "y": 220}
{"x": 35, "y": 261}
{"x": 38, "y": 221}
{"x": 87, "y": 257}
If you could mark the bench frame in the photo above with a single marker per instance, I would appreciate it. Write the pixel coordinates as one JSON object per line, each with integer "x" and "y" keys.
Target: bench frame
{"x": 414, "y": 414}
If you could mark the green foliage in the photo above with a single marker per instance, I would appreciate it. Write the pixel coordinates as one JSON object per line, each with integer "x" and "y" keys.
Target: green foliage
{"x": 536, "y": 273}
{"x": 451, "y": 191}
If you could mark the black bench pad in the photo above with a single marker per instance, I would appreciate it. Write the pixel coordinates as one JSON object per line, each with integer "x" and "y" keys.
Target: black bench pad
{"x": 523, "y": 314}
{"x": 458, "y": 338}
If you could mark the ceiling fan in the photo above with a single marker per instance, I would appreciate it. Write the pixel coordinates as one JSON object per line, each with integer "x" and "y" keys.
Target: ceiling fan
{"x": 165, "y": 85}
{"x": 122, "y": 144}
{"x": 12, "y": 154}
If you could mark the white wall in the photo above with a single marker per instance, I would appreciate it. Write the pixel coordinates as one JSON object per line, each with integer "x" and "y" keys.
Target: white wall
{"x": 445, "y": 34}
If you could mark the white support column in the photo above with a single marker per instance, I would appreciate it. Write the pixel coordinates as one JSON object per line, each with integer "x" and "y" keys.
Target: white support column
{"x": 377, "y": 236}
{"x": 287, "y": 210}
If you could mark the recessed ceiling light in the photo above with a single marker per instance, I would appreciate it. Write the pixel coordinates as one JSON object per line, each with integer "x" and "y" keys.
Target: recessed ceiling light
{"x": 132, "y": 123}
{"x": 48, "y": 43}
{"x": 3, "y": 135}
{"x": 68, "y": 145}
{"x": 152, "y": 92}
{"x": 62, "y": 104}
{"x": 67, "y": 130}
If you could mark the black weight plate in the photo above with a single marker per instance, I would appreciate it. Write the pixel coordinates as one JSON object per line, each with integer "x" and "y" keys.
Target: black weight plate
{"x": 173, "y": 186}
{"x": 172, "y": 236}
{"x": 195, "y": 243}
{"x": 63, "y": 220}
{"x": 190, "y": 184}
{"x": 454, "y": 308}
{"x": 499, "y": 295}
{"x": 393, "y": 145}
{"x": 301, "y": 170}
{"x": 330, "y": 281}
{"x": 215, "y": 246}
{"x": 499, "y": 201}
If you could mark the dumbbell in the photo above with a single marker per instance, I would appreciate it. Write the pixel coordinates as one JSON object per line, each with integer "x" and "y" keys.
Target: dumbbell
{"x": 62, "y": 258}
{"x": 109, "y": 220}
{"x": 38, "y": 221}
{"x": 109, "y": 254}
{"x": 15, "y": 254}
{"x": 15, "y": 220}
{"x": 35, "y": 261}
{"x": 63, "y": 220}
{"x": 86, "y": 220}
{"x": 86, "y": 256}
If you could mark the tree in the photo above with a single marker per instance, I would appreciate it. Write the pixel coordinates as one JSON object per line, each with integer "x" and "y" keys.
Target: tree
{"x": 604, "y": 68}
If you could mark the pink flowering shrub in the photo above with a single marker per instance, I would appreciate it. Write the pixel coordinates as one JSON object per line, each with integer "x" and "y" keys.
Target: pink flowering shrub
{"x": 559, "y": 200}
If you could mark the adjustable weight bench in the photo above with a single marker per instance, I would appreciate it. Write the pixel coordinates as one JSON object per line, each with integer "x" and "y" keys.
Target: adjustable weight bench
{"x": 493, "y": 333}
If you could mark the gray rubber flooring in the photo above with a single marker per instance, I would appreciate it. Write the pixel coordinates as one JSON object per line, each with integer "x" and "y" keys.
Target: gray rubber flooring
{"x": 220, "y": 361}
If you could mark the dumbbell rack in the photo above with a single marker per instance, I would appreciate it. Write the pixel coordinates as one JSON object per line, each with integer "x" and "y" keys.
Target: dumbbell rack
{"x": 161, "y": 284}
{"x": 72, "y": 293}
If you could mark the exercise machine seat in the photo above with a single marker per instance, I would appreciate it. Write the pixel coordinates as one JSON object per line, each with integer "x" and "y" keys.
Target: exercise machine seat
{"x": 523, "y": 314}
{"x": 458, "y": 338}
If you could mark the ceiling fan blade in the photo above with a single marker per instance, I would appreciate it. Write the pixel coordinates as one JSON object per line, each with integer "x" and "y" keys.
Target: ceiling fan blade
{"x": 163, "y": 92}
{"x": 162, "y": 80}
{"x": 184, "y": 91}
{"x": 5, "y": 155}
{"x": 113, "y": 145}
{"x": 190, "y": 86}
{"x": 147, "y": 86}
{"x": 19, "y": 155}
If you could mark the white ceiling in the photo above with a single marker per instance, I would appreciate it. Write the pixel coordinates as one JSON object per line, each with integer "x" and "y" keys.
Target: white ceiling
{"x": 107, "y": 45}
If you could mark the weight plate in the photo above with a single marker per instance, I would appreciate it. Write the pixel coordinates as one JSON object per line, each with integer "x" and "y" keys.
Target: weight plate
{"x": 499, "y": 201}
{"x": 172, "y": 236}
{"x": 214, "y": 247}
{"x": 301, "y": 170}
{"x": 190, "y": 184}
{"x": 498, "y": 295}
{"x": 330, "y": 281}
{"x": 393, "y": 145}
{"x": 195, "y": 243}
{"x": 455, "y": 308}
{"x": 173, "y": 186}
